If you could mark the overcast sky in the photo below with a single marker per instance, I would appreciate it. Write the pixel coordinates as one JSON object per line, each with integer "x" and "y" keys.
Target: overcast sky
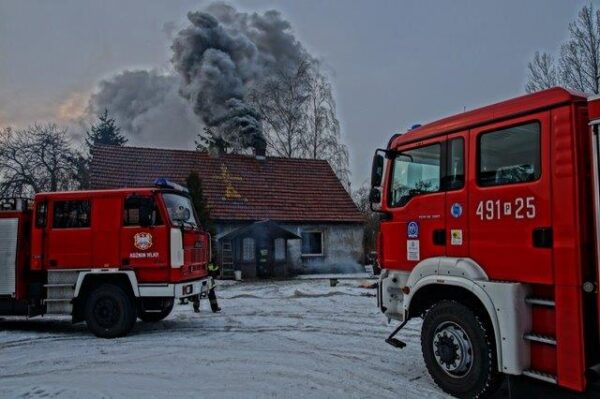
{"x": 394, "y": 63}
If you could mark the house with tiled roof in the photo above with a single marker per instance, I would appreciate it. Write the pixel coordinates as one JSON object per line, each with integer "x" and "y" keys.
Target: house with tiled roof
{"x": 273, "y": 216}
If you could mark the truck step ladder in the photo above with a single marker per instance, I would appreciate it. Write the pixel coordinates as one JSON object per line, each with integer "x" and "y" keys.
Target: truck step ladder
{"x": 545, "y": 305}
{"x": 539, "y": 375}
{"x": 60, "y": 291}
{"x": 544, "y": 339}
{"x": 540, "y": 302}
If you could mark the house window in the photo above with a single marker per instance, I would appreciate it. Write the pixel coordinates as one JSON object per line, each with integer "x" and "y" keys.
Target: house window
{"x": 71, "y": 214}
{"x": 279, "y": 249}
{"x": 248, "y": 249}
{"x": 312, "y": 243}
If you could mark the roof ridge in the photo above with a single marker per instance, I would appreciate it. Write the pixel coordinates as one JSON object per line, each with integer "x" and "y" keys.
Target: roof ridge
{"x": 190, "y": 151}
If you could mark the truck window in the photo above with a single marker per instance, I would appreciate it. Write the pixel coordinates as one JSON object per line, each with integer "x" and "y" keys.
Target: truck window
{"x": 415, "y": 172}
{"x": 71, "y": 214}
{"x": 131, "y": 212}
{"x": 455, "y": 165}
{"x": 509, "y": 155}
{"x": 41, "y": 214}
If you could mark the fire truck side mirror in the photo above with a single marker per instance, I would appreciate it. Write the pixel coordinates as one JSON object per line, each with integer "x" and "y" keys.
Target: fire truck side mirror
{"x": 375, "y": 196}
{"x": 377, "y": 170}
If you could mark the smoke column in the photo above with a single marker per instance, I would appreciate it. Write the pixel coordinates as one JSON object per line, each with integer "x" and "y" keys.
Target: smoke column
{"x": 221, "y": 56}
{"x": 218, "y": 58}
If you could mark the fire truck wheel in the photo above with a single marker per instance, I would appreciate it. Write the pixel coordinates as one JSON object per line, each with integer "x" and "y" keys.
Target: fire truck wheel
{"x": 109, "y": 312}
{"x": 154, "y": 316}
{"x": 459, "y": 351}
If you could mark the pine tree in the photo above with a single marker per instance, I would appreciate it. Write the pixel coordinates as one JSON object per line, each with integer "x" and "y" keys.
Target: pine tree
{"x": 208, "y": 141}
{"x": 105, "y": 132}
{"x": 194, "y": 184}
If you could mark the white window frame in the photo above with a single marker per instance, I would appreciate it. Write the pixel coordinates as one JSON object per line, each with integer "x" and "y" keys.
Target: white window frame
{"x": 252, "y": 251}
{"x": 322, "y": 243}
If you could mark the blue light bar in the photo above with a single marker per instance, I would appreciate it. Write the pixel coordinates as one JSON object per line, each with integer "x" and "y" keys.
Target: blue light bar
{"x": 161, "y": 182}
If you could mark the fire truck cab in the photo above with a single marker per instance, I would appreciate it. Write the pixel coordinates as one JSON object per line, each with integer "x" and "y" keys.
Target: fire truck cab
{"x": 104, "y": 257}
{"x": 489, "y": 231}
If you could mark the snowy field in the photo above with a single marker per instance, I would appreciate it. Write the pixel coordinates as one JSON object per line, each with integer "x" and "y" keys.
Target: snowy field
{"x": 293, "y": 339}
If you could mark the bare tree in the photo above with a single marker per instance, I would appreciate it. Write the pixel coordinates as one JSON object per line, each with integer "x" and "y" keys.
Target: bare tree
{"x": 542, "y": 73}
{"x": 34, "y": 159}
{"x": 281, "y": 101}
{"x": 322, "y": 139}
{"x": 299, "y": 119}
{"x": 578, "y": 66}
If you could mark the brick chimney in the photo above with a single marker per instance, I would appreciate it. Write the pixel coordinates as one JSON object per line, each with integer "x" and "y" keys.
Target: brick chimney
{"x": 260, "y": 149}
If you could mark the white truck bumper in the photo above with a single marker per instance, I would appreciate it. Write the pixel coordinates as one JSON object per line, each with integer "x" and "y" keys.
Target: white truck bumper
{"x": 179, "y": 290}
{"x": 390, "y": 298}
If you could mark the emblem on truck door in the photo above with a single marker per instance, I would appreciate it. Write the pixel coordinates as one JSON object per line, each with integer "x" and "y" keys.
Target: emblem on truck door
{"x": 413, "y": 230}
{"x": 142, "y": 241}
{"x": 456, "y": 210}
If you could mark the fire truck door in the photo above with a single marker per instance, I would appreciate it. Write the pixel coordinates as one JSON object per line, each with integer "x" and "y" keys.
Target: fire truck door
{"x": 457, "y": 221}
{"x": 509, "y": 199}
{"x": 69, "y": 235}
{"x": 143, "y": 247}
{"x": 416, "y": 204}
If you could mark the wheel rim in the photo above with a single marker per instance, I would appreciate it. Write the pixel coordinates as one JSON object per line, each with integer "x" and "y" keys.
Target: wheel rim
{"x": 452, "y": 349}
{"x": 106, "y": 312}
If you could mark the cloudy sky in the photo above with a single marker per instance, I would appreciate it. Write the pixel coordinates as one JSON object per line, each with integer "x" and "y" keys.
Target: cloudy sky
{"x": 393, "y": 63}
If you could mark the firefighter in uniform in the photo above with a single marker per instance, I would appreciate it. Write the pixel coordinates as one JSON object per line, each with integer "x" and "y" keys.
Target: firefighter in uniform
{"x": 213, "y": 271}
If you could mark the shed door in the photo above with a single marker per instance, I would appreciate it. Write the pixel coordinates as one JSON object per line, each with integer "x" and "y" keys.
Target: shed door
{"x": 8, "y": 255}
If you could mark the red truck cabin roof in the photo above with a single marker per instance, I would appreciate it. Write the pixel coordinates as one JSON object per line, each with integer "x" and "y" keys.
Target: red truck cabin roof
{"x": 96, "y": 193}
{"x": 512, "y": 108}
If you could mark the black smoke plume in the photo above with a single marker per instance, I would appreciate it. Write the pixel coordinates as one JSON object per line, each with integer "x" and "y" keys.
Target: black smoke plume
{"x": 221, "y": 56}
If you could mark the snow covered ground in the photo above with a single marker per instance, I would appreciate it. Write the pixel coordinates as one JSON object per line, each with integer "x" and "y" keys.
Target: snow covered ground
{"x": 292, "y": 339}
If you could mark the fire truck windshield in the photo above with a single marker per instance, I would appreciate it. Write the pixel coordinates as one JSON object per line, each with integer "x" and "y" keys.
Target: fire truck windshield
{"x": 180, "y": 209}
{"x": 415, "y": 172}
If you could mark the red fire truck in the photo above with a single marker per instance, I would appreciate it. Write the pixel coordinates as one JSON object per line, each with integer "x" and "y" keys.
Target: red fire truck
{"x": 490, "y": 232}
{"x": 104, "y": 257}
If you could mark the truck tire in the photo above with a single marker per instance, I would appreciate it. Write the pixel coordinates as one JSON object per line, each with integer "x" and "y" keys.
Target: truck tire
{"x": 458, "y": 351}
{"x": 154, "y": 316}
{"x": 109, "y": 312}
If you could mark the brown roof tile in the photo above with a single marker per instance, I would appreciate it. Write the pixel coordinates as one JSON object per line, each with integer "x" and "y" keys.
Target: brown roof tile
{"x": 237, "y": 187}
